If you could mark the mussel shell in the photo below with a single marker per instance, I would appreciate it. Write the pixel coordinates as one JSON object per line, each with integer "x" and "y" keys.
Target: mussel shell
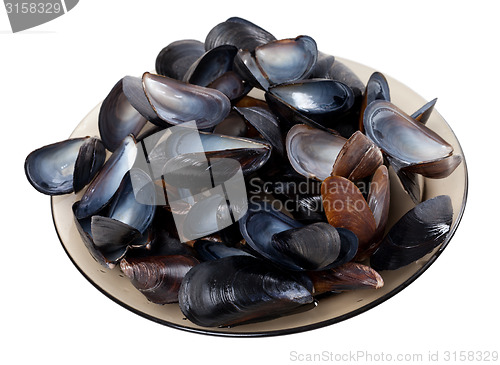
{"x": 118, "y": 118}
{"x": 312, "y": 152}
{"x": 237, "y": 32}
{"x": 213, "y": 213}
{"x": 299, "y": 195}
{"x": 90, "y": 159}
{"x": 401, "y": 137}
{"x": 323, "y": 65}
{"x": 422, "y": 115}
{"x": 340, "y": 72}
{"x": 287, "y": 60}
{"x": 209, "y": 250}
{"x": 111, "y": 235}
{"x": 233, "y": 125}
{"x": 318, "y": 99}
{"x": 436, "y": 169}
{"x": 211, "y": 65}
{"x": 158, "y": 278}
{"x": 259, "y": 225}
{"x": 184, "y": 157}
{"x": 266, "y": 124}
{"x": 416, "y": 234}
{"x": 164, "y": 238}
{"x": 107, "y": 181}
{"x": 230, "y": 84}
{"x": 350, "y": 276}
{"x": 246, "y": 66}
{"x": 379, "y": 200}
{"x": 239, "y": 289}
{"x": 175, "y": 59}
{"x": 358, "y": 158}
{"x": 134, "y": 202}
{"x": 290, "y": 116}
{"x": 345, "y": 207}
{"x": 51, "y": 169}
{"x": 313, "y": 247}
{"x": 107, "y": 260}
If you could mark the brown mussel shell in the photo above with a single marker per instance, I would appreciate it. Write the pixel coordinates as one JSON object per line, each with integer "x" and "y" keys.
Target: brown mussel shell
{"x": 345, "y": 207}
{"x": 158, "y": 278}
{"x": 358, "y": 158}
{"x": 350, "y": 276}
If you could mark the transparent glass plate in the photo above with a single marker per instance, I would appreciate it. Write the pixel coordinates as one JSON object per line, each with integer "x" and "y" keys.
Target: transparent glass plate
{"x": 330, "y": 309}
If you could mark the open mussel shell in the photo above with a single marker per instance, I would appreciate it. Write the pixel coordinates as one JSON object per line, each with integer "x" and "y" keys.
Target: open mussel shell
{"x": 239, "y": 289}
{"x": 358, "y": 158}
{"x": 129, "y": 214}
{"x": 422, "y": 115}
{"x": 134, "y": 202}
{"x": 237, "y": 32}
{"x": 107, "y": 181}
{"x": 319, "y": 99}
{"x": 165, "y": 101}
{"x": 210, "y": 250}
{"x": 211, "y": 65}
{"x": 416, "y": 234}
{"x": 118, "y": 118}
{"x": 349, "y": 276}
{"x": 345, "y": 207}
{"x": 66, "y": 166}
{"x": 312, "y": 152}
{"x": 377, "y": 88}
{"x": 158, "y": 278}
{"x": 287, "y": 60}
{"x": 175, "y": 59}
{"x": 402, "y": 137}
{"x": 407, "y": 141}
{"x": 106, "y": 259}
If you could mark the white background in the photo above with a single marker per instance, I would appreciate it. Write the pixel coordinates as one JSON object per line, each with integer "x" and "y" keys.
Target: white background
{"x": 52, "y": 75}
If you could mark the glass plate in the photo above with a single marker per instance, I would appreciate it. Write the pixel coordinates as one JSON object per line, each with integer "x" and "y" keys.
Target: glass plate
{"x": 331, "y": 309}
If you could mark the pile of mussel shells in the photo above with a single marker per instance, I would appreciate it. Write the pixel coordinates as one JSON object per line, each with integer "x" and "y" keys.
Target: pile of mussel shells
{"x": 244, "y": 209}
